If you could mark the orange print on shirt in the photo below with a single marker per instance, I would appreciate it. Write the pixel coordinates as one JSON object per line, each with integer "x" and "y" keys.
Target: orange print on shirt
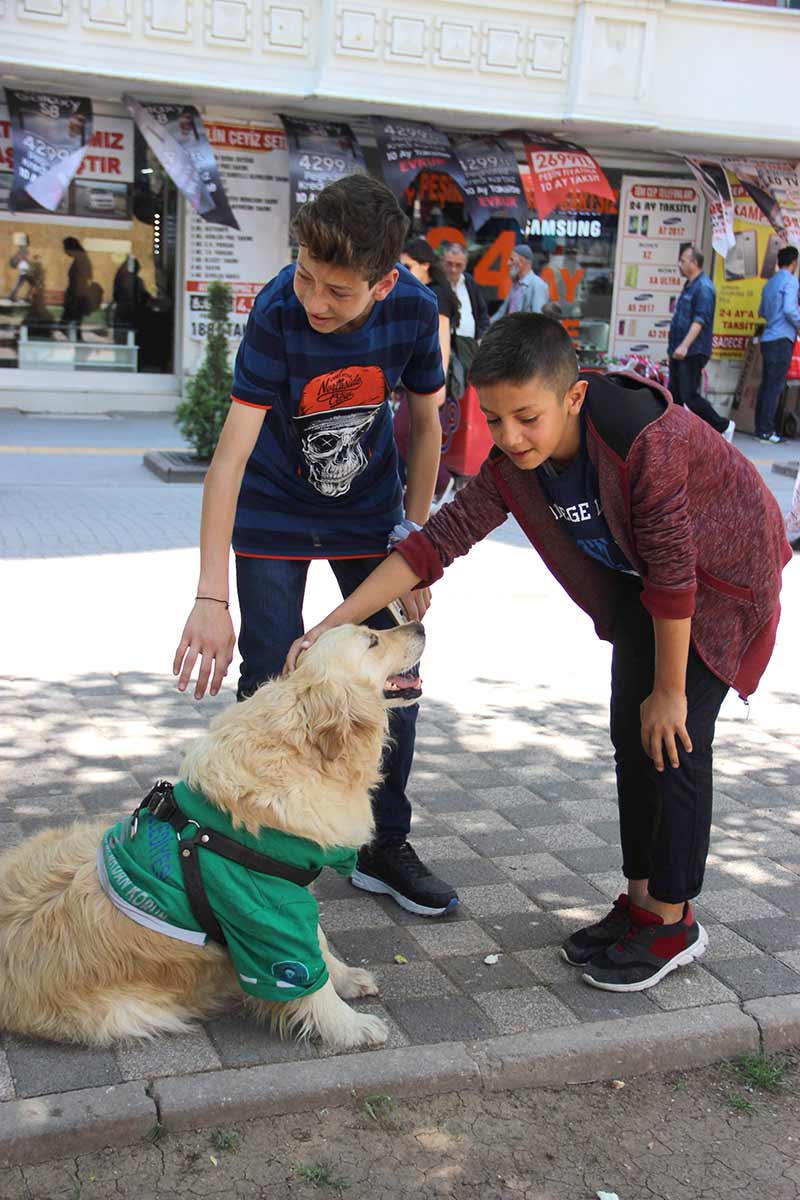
{"x": 346, "y": 387}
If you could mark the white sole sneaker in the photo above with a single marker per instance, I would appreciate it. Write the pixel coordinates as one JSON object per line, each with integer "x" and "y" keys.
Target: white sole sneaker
{"x": 684, "y": 959}
{"x": 368, "y": 883}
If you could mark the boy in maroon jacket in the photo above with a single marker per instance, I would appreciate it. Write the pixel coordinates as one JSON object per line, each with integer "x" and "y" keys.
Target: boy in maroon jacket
{"x": 669, "y": 539}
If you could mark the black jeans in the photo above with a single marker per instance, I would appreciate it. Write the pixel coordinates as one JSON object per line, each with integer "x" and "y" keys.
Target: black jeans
{"x": 775, "y": 359}
{"x": 271, "y": 592}
{"x": 684, "y": 384}
{"x": 664, "y": 818}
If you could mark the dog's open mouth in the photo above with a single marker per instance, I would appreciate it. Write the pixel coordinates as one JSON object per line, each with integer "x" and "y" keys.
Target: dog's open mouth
{"x": 403, "y": 687}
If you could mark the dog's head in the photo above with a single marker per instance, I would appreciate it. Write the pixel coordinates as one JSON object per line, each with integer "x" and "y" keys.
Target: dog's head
{"x": 343, "y": 680}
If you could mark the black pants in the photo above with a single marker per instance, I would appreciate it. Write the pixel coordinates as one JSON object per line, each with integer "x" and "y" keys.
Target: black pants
{"x": 684, "y": 384}
{"x": 664, "y": 818}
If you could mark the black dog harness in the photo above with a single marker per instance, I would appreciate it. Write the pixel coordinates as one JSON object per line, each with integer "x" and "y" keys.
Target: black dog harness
{"x": 160, "y": 802}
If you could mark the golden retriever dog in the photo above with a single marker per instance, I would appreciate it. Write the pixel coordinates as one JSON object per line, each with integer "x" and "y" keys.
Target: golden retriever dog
{"x": 300, "y": 756}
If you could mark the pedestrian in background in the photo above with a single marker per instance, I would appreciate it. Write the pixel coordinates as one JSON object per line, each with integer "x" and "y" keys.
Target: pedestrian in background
{"x": 780, "y": 310}
{"x": 529, "y": 292}
{"x": 473, "y": 319}
{"x": 423, "y": 262}
{"x": 689, "y": 346}
{"x": 77, "y": 295}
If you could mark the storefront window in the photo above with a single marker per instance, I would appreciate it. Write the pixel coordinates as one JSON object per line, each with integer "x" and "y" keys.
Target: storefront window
{"x": 574, "y": 249}
{"x": 91, "y": 286}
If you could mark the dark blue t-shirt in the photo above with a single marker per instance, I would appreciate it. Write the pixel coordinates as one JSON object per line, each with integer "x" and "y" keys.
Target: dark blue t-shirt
{"x": 322, "y": 480}
{"x": 574, "y": 498}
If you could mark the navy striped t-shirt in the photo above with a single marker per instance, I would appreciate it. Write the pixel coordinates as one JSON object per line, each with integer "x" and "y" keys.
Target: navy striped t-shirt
{"x": 322, "y": 480}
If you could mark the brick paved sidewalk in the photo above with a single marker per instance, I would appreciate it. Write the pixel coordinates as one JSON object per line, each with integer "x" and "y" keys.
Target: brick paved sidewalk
{"x": 513, "y": 788}
{"x": 527, "y": 833}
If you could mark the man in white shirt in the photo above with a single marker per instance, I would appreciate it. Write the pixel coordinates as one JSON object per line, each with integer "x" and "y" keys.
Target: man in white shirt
{"x": 474, "y": 319}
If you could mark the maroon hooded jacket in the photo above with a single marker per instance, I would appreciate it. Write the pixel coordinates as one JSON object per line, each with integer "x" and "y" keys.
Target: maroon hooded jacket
{"x": 690, "y": 513}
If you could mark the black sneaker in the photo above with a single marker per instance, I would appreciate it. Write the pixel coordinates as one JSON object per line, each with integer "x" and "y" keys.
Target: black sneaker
{"x": 582, "y": 945}
{"x": 397, "y": 872}
{"x": 648, "y": 951}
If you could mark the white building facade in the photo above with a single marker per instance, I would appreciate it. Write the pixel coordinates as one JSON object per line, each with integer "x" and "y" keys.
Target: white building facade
{"x": 637, "y": 83}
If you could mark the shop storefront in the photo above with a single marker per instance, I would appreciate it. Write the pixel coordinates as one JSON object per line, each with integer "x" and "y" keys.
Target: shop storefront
{"x": 91, "y": 287}
{"x": 102, "y": 301}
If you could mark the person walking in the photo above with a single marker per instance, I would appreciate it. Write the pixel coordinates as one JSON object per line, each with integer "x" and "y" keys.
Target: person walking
{"x": 77, "y": 295}
{"x": 529, "y": 292}
{"x": 689, "y": 346}
{"x": 779, "y": 308}
{"x": 473, "y": 319}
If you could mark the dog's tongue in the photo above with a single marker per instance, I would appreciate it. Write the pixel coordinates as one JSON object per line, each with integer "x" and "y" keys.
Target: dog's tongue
{"x": 398, "y": 683}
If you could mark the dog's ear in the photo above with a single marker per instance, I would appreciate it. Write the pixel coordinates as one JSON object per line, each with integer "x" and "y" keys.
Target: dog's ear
{"x": 339, "y": 716}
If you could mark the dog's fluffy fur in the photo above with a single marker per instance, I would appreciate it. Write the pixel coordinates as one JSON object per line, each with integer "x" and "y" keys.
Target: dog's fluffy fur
{"x": 301, "y": 755}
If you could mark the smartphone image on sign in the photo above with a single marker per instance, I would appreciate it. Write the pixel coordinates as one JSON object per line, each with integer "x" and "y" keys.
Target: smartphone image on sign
{"x": 631, "y": 276}
{"x": 633, "y": 224}
{"x": 645, "y": 223}
{"x": 771, "y": 256}
{"x": 741, "y": 261}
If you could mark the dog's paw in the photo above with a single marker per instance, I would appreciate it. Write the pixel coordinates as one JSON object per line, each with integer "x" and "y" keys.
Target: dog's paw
{"x": 369, "y": 1031}
{"x": 356, "y": 982}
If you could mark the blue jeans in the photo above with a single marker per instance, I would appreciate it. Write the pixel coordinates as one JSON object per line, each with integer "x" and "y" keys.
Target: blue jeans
{"x": 775, "y": 359}
{"x": 271, "y": 592}
{"x": 685, "y": 377}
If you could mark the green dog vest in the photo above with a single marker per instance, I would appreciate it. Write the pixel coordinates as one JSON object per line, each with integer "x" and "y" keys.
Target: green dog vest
{"x": 270, "y": 924}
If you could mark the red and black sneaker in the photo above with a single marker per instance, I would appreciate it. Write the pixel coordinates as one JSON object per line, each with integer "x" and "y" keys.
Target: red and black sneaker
{"x": 585, "y": 943}
{"x": 648, "y": 951}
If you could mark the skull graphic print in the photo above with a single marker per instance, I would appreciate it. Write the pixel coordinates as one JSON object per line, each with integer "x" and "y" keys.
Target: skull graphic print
{"x": 337, "y": 411}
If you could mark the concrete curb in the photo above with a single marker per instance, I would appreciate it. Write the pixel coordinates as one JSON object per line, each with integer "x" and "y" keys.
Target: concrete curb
{"x": 72, "y": 1123}
{"x": 196, "y": 1100}
{"x": 785, "y": 468}
{"x": 175, "y": 466}
{"x": 670, "y": 1041}
{"x": 778, "y": 1020}
{"x": 68, "y": 1123}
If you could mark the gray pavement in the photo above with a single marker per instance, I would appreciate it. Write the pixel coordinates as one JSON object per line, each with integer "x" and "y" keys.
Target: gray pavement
{"x": 513, "y": 785}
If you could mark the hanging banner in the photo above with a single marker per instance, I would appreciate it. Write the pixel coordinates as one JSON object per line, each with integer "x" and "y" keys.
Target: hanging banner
{"x": 175, "y": 134}
{"x": 320, "y": 152}
{"x": 254, "y": 168}
{"x": 50, "y": 136}
{"x": 488, "y": 176}
{"x": 657, "y": 219}
{"x": 408, "y": 147}
{"x": 710, "y": 173}
{"x": 774, "y": 185}
{"x": 740, "y": 277}
{"x": 559, "y": 168}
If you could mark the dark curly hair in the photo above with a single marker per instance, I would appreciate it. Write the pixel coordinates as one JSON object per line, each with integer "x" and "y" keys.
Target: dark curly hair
{"x": 355, "y": 223}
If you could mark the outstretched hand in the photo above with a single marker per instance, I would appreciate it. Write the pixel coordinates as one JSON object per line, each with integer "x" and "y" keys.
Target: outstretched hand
{"x": 209, "y": 635}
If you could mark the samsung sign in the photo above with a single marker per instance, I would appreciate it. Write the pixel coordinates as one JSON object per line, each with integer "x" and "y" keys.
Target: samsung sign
{"x": 563, "y": 227}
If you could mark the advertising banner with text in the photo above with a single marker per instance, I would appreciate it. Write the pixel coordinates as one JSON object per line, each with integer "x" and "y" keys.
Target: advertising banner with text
{"x": 50, "y": 135}
{"x": 176, "y": 135}
{"x": 740, "y": 276}
{"x": 657, "y": 218}
{"x": 320, "y": 152}
{"x": 253, "y": 166}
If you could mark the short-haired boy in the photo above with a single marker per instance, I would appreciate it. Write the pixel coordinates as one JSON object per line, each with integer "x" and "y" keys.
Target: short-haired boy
{"x": 306, "y": 468}
{"x": 668, "y": 538}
